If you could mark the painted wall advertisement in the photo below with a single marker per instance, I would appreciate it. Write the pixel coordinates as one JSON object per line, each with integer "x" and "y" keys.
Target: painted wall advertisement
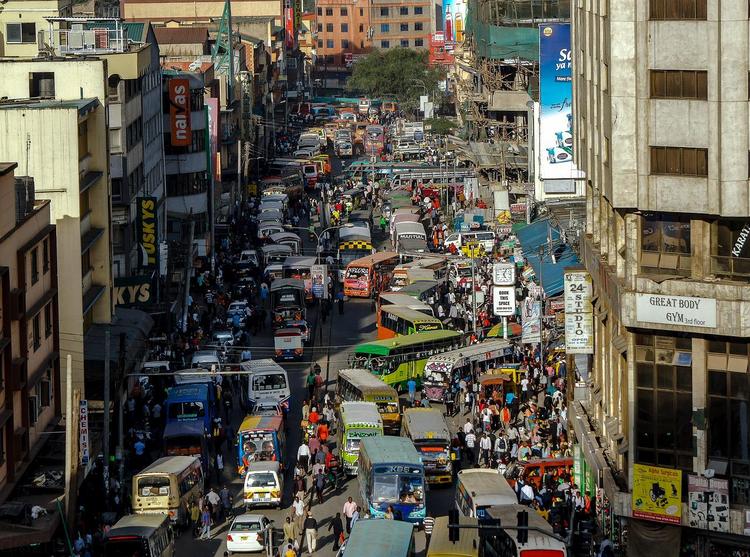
{"x": 531, "y": 314}
{"x": 657, "y": 493}
{"x": 675, "y": 310}
{"x": 555, "y": 105}
{"x": 708, "y": 503}
{"x": 181, "y": 132}
{"x": 147, "y": 232}
{"x": 454, "y": 21}
{"x": 579, "y": 312}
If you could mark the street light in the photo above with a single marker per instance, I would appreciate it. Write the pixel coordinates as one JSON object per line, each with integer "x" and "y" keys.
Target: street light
{"x": 318, "y": 236}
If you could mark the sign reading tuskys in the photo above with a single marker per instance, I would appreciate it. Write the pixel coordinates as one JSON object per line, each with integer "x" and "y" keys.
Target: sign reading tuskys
{"x": 676, "y": 310}
{"x": 147, "y": 235}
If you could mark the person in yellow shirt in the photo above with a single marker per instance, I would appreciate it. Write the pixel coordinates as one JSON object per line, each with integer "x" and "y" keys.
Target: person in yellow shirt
{"x": 290, "y": 551}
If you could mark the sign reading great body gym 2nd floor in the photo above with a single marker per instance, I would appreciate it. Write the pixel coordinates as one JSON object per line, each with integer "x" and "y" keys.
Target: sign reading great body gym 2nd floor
{"x": 684, "y": 311}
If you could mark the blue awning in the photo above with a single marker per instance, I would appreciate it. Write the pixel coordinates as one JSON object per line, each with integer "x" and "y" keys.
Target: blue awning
{"x": 549, "y": 268}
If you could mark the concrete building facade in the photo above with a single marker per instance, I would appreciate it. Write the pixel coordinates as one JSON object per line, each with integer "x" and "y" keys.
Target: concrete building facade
{"x": 341, "y": 28}
{"x": 402, "y": 23}
{"x": 29, "y": 333}
{"x": 21, "y": 21}
{"x": 662, "y": 134}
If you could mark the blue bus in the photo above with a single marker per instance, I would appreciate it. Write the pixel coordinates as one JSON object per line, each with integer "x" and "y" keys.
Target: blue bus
{"x": 380, "y": 538}
{"x": 193, "y": 402}
{"x": 391, "y": 473}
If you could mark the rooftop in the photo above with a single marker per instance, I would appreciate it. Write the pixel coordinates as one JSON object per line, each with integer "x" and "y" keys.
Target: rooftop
{"x": 181, "y": 35}
{"x": 7, "y": 167}
{"x": 82, "y": 105}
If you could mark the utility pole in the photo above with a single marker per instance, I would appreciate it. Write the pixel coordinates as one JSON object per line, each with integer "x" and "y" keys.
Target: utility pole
{"x": 473, "y": 294}
{"x": 188, "y": 269}
{"x": 69, "y": 448}
{"x": 107, "y": 383}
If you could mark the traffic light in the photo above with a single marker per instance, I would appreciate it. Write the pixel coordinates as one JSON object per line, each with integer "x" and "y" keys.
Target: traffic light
{"x": 522, "y": 534}
{"x": 454, "y": 533}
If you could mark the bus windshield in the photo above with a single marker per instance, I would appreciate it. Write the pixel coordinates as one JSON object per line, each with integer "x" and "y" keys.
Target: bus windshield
{"x": 287, "y": 298}
{"x": 150, "y": 486}
{"x": 404, "y": 488}
{"x": 347, "y": 256}
{"x": 186, "y": 410}
{"x": 387, "y": 407}
{"x": 128, "y": 546}
{"x": 269, "y": 382}
{"x": 356, "y": 272}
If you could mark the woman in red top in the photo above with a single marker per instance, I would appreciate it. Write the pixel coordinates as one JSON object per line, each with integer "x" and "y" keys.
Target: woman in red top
{"x": 314, "y": 417}
{"x": 323, "y": 432}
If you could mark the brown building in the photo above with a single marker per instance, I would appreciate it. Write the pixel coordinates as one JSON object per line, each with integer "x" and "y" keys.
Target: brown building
{"x": 341, "y": 30}
{"x": 30, "y": 379}
{"x": 402, "y": 23}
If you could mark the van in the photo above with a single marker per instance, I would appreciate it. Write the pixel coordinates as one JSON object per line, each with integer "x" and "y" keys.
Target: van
{"x": 206, "y": 359}
{"x": 264, "y": 484}
{"x": 364, "y": 106}
{"x": 485, "y": 238}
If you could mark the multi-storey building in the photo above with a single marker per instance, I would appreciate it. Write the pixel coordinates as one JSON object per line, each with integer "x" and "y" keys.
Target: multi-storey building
{"x": 22, "y": 20}
{"x": 29, "y": 335}
{"x": 661, "y": 119}
{"x": 341, "y": 30}
{"x": 402, "y": 23}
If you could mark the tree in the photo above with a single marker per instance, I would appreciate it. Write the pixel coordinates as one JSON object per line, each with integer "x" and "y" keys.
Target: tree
{"x": 399, "y": 73}
{"x": 440, "y": 126}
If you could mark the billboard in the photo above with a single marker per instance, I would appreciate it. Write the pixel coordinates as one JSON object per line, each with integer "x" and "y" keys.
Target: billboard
{"x": 555, "y": 103}
{"x": 579, "y": 312}
{"x": 147, "y": 232}
{"x": 289, "y": 24}
{"x": 531, "y": 321}
{"x": 708, "y": 503}
{"x": 454, "y": 21}
{"x": 657, "y": 493}
{"x": 181, "y": 133}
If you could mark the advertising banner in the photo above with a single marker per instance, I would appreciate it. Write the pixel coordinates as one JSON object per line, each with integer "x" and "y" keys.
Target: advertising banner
{"x": 556, "y": 97}
{"x": 129, "y": 291}
{"x": 213, "y": 131}
{"x": 84, "y": 448}
{"x": 319, "y": 276}
{"x": 147, "y": 232}
{"x": 675, "y": 310}
{"x": 708, "y": 503}
{"x": 454, "y": 20}
{"x": 289, "y": 25}
{"x": 657, "y": 493}
{"x": 531, "y": 314}
{"x": 503, "y": 300}
{"x": 179, "y": 112}
{"x": 579, "y": 312}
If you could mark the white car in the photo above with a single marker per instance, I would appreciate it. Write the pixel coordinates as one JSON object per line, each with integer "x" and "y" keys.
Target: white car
{"x": 247, "y": 534}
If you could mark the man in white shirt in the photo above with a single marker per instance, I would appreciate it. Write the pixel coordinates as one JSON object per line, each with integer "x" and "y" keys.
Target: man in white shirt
{"x": 485, "y": 444}
{"x": 470, "y": 441}
{"x": 468, "y": 426}
{"x": 527, "y": 494}
{"x": 303, "y": 456}
{"x": 350, "y": 507}
{"x": 524, "y": 389}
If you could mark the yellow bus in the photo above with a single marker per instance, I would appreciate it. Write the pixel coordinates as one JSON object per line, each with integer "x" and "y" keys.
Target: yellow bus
{"x": 400, "y": 321}
{"x": 168, "y": 486}
{"x": 356, "y": 385}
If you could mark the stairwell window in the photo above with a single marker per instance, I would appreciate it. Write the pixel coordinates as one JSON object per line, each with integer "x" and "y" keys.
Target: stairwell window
{"x": 679, "y": 84}
{"x": 679, "y": 161}
{"x": 678, "y": 9}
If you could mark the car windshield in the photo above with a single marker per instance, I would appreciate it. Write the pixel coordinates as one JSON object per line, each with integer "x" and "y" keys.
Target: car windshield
{"x": 153, "y": 486}
{"x": 242, "y": 526}
{"x": 260, "y": 479}
{"x": 269, "y": 382}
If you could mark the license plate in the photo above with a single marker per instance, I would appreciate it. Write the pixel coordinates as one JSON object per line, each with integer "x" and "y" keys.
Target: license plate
{"x": 243, "y": 538}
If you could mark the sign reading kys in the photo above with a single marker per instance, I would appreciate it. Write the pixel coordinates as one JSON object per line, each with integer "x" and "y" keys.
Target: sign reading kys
{"x": 657, "y": 493}
{"x": 179, "y": 112}
{"x": 147, "y": 232}
{"x": 675, "y": 310}
{"x": 579, "y": 313}
{"x": 555, "y": 104}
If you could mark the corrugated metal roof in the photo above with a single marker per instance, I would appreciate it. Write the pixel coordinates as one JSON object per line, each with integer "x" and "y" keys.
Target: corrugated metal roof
{"x": 181, "y": 35}
{"x": 133, "y": 30}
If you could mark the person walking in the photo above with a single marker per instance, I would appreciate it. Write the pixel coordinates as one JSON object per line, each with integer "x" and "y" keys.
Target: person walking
{"x": 340, "y": 301}
{"x": 350, "y": 507}
{"x": 412, "y": 386}
{"x": 485, "y": 445}
{"x": 206, "y": 522}
{"x": 311, "y": 533}
{"x": 303, "y": 456}
{"x": 226, "y": 501}
{"x": 470, "y": 440}
{"x": 429, "y": 524}
{"x": 195, "y": 515}
{"x": 299, "y": 511}
{"x": 338, "y": 531}
{"x": 291, "y": 530}
{"x": 320, "y": 485}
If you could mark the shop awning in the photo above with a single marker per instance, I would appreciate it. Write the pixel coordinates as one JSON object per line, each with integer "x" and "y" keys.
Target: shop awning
{"x": 547, "y": 255}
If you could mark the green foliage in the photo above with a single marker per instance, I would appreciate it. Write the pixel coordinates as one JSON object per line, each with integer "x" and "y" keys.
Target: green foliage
{"x": 402, "y": 73}
{"x": 440, "y": 126}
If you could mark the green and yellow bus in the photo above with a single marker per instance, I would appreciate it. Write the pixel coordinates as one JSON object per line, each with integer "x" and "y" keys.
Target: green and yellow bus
{"x": 396, "y": 360}
{"x": 395, "y": 321}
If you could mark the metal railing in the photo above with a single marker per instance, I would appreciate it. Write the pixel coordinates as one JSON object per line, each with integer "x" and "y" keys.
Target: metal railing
{"x": 90, "y": 41}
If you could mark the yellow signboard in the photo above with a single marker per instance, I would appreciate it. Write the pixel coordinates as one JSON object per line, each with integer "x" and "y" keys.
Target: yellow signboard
{"x": 657, "y": 493}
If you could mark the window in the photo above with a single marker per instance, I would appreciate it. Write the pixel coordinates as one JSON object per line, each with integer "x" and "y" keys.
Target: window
{"x": 329, "y": 27}
{"x": 47, "y": 320}
{"x": 345, "y": 44}
{"x": 344, "y": 27}
{"x": 361, "y": 12}
{"x": 45, "y": 255}
{"x": 730, "y": 249}
{"x": 404, "y": 43}
{"x": 320, "y": 11}
{"x": 728, "y": 400}
{"x": 20, "y": 32}
{"x": 83, "y": 140}
{"x": 329, "y": 11}
{"x": 34, "y": 265}
{"x": 418, "y": 26}
{"x": 665, "y": 243}
{"x": 361, "y": 28}
{"x": 418, "y": 42}
{"x": 384, "y": 28}
{"x": 42, "y": 84}
{"x": 329, "y": 59}
{"x": 186, "y": 184}
{"x": 33, "y": 409}
{"x": 383, "y": 12}
{"x": 320, "y": 43}
{"x": 329, "y": 43}
{"x": 320, "y": 27}
{"x": 344, "y": 12}
{"x": 404, "y": 27}
{"x": 679, "y": 161}
{"x": 677, "y": 9}
{"x": 664, "y": 433}
{"x": 417, "y": 10}
{"x": 385, "y": 44}
{"x": 37, "y": 331}
{"x": 403, "y": 10}
{"x": 45, "y": 389}
{"x": 679, "y": 84}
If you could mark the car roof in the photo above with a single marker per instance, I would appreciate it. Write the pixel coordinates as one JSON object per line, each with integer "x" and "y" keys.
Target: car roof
{"x": 245, "y": 517}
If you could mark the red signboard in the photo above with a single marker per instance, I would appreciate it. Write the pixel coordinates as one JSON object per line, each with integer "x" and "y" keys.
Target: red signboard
{"x": 289, "y": 27}
{"x": 179, "y": 112}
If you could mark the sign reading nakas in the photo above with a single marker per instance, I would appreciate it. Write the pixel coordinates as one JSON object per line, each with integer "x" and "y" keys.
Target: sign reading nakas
{"x": 179, "y": 112}
{"x": 676, "y": 310}
{"x": 147, "y": 231}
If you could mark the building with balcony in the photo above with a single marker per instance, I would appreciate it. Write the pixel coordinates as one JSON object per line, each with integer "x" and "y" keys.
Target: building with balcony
{"x": 29, "y": 331}
{"x": 64, "y": 148}
{"x": 662, "y": 132}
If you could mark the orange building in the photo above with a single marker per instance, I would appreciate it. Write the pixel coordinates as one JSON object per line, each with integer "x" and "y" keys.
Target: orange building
{"x": 341, "y": 31}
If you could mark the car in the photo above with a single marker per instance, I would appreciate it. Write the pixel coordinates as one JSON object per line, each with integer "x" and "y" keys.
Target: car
{"x": 237, "y": 308}
{"x": 222, "y": 338}
{"x": 348, "y": 116}
{"x": 247, "y": 534}
{"x": 249, "y": 256}
{"x": 306, "y": 153}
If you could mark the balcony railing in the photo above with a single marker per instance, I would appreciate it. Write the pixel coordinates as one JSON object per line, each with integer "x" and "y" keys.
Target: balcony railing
{"x": 90, "y": 41}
